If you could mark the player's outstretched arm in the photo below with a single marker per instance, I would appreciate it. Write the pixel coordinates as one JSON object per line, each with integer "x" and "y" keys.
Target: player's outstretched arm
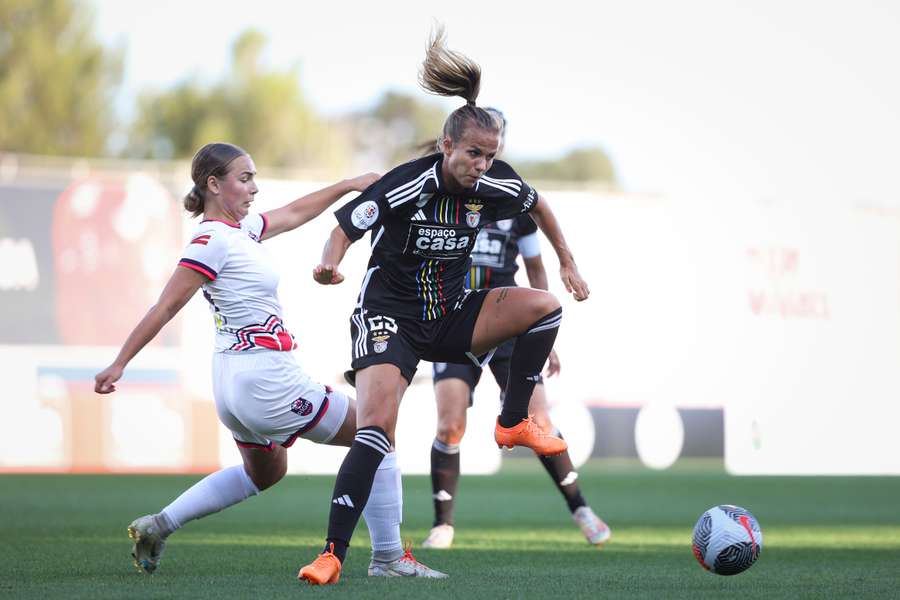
{"x": 181, "y": 286}
{"x": 306, "y": 208}
{"x": 568, "y": 271}
{"x": 326, "y": 272}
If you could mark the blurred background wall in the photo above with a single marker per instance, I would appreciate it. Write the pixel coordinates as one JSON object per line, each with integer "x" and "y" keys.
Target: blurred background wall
{"x": 766, "y": 336}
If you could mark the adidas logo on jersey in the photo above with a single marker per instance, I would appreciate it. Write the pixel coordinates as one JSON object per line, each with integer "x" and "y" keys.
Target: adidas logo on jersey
{"x": 419, "y": 216}
{"x": 344, "y": 501}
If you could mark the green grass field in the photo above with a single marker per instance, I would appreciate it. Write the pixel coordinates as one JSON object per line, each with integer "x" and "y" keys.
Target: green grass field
{"x": 64, "y": 536}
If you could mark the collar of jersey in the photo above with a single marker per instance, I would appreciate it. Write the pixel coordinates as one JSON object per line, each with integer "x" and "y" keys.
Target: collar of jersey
{"x": 229, "y": 223}
{"x": 441, "y": 187}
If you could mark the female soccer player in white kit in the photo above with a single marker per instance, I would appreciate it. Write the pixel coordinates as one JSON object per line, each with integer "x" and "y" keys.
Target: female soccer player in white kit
{"x": 261, "y": 393}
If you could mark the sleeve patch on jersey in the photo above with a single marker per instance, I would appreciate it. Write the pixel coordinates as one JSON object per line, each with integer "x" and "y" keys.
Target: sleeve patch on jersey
{"x": 529, "y": 200}
{"x": 199, "y": 267}
{"x": 201, "y": 239}
{"x": 365, "y": 215}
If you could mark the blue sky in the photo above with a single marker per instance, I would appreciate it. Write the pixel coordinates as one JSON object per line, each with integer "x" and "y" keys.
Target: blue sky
{"x": 774, "y": 101}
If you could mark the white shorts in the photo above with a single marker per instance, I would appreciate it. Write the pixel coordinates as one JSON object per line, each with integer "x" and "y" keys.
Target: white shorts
{"x": 264, "y": 397}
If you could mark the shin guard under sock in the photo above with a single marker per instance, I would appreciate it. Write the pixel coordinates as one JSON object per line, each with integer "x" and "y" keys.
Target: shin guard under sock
{"x": 353, "y": 486}
{"x": 529, "y": 355}
{"x": 444, "y": 479}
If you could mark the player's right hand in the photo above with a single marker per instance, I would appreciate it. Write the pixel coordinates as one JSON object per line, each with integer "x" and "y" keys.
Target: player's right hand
{"x": 327, "y": 275}
{"x": 104, "y": 380}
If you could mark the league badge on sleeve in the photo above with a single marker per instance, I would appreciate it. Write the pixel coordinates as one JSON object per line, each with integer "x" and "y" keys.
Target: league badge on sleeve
{"x": 473, "y": 217}
{"x": 365, "y": 215}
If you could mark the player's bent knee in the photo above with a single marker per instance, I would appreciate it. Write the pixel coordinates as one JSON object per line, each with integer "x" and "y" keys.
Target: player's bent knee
{"x": 547, "y": 303}
{"x": 266, "y": 473}
{"x": 451, "y": 433}
{"x": 265, "y": 478}
{"x": 273, "y": 478}
{"x": 539, "y": 304}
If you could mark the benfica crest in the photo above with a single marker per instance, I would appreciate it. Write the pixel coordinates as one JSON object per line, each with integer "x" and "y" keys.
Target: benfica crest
{"x": 473, "y": 217}
{"x": 380, "y": 344}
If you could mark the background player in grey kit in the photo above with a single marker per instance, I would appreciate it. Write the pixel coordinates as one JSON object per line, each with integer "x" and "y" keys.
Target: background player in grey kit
{"x": 424, "y": 217}
{"x": 494, "y": 265}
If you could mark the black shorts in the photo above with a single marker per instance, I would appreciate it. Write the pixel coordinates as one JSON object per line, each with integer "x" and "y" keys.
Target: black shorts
{"x": 470, "y": 372}
{"x": 378, "y": 337}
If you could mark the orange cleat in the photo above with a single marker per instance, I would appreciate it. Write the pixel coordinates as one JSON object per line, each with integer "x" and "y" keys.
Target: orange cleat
{"x": 324, "y": 570}
{"x": 528, "y": 434}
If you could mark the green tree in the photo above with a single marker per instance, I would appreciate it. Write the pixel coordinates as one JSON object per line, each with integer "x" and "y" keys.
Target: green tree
{"x": 261, "y": 110}
{"x": 56, "y": 81}
{"x": 587, "y": 164}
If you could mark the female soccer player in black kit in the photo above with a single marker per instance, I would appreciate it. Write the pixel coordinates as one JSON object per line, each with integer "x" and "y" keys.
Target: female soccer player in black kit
{"x": 424, "y": 217}
{"x": 494, "y": 265}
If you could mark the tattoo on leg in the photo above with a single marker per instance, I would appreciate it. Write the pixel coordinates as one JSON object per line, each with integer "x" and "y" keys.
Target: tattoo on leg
{"x": 503, "y": 294}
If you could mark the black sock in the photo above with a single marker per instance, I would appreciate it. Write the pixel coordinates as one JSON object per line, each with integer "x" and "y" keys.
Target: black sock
{"x": 444, "y": 478}
{"x": 563, "y": 474}
{"x": 353, "y": 486}
{"x": 529, "y": 355}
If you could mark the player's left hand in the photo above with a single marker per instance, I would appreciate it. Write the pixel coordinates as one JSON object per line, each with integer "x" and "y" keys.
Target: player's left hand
{"x": 553, "y": 364}
{"x": 575, "y": 285}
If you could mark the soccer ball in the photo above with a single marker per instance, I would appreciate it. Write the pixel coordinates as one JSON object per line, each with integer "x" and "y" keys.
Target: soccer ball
{"x": 727, "y": 540}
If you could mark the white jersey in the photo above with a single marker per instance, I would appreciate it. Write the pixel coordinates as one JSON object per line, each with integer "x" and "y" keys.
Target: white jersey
{"x": 243, "y": 285}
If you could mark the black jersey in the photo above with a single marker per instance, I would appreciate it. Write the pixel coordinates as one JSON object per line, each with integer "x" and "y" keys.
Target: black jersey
{"x": 496, "y": 249}
{"x": 422, "y": 235}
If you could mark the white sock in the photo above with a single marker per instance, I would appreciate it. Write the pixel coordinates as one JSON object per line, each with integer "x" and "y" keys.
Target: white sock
{"x": 209, "y": 495}
{"x": 384, "y": 511}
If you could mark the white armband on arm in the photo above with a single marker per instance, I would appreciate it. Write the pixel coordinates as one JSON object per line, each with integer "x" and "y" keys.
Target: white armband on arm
{"x": 529, "y": 245}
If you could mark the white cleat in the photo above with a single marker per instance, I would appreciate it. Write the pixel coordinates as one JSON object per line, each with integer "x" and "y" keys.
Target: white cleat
{"x": 405, "y": 566}
{"x": 440, "y": 537}
{"x": 594, "y": 529}
{"x": 148, "y": 543}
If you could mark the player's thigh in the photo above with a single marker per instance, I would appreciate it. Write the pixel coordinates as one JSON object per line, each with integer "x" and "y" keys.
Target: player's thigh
{"x": 379, "y": 389}
{"x": 347, "y": 431}
{"x": 452, "y": 397}
{"x": 265, "y": 467}
{"x": 508, "y": 312}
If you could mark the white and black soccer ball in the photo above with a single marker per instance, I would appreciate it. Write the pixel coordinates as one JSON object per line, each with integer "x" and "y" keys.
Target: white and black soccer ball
{"x": 727, "y": 540}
